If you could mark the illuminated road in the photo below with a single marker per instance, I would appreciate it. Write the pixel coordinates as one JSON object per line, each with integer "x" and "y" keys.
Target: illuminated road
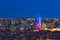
{"x": 43, "y": 35}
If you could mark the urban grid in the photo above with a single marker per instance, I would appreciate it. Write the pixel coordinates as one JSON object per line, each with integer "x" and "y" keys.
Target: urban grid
{"x": 24, "y": 29}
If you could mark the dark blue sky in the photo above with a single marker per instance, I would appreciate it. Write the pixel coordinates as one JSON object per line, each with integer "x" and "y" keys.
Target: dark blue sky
{"x": 29, "y": 8}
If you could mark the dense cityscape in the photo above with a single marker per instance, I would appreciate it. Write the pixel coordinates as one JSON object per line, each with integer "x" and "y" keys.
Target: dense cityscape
{"x": 24, "y": 29}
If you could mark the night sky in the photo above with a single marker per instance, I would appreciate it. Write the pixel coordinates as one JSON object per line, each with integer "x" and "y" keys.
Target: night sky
{"x": 29, "y": 8}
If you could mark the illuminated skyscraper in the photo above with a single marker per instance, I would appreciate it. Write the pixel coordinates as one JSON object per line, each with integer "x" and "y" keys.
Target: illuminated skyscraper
{"x": 38, "y": 21}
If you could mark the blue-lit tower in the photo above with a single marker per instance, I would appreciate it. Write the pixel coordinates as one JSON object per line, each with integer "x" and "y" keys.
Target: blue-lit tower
{"x": 38, "y": 21}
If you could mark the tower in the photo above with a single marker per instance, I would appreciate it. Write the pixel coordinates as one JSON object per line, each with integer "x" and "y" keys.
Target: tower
{"x": 38, "y": 22}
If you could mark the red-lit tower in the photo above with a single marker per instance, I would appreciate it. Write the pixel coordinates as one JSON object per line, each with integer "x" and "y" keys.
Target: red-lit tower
{"x": 38, "y": 22}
